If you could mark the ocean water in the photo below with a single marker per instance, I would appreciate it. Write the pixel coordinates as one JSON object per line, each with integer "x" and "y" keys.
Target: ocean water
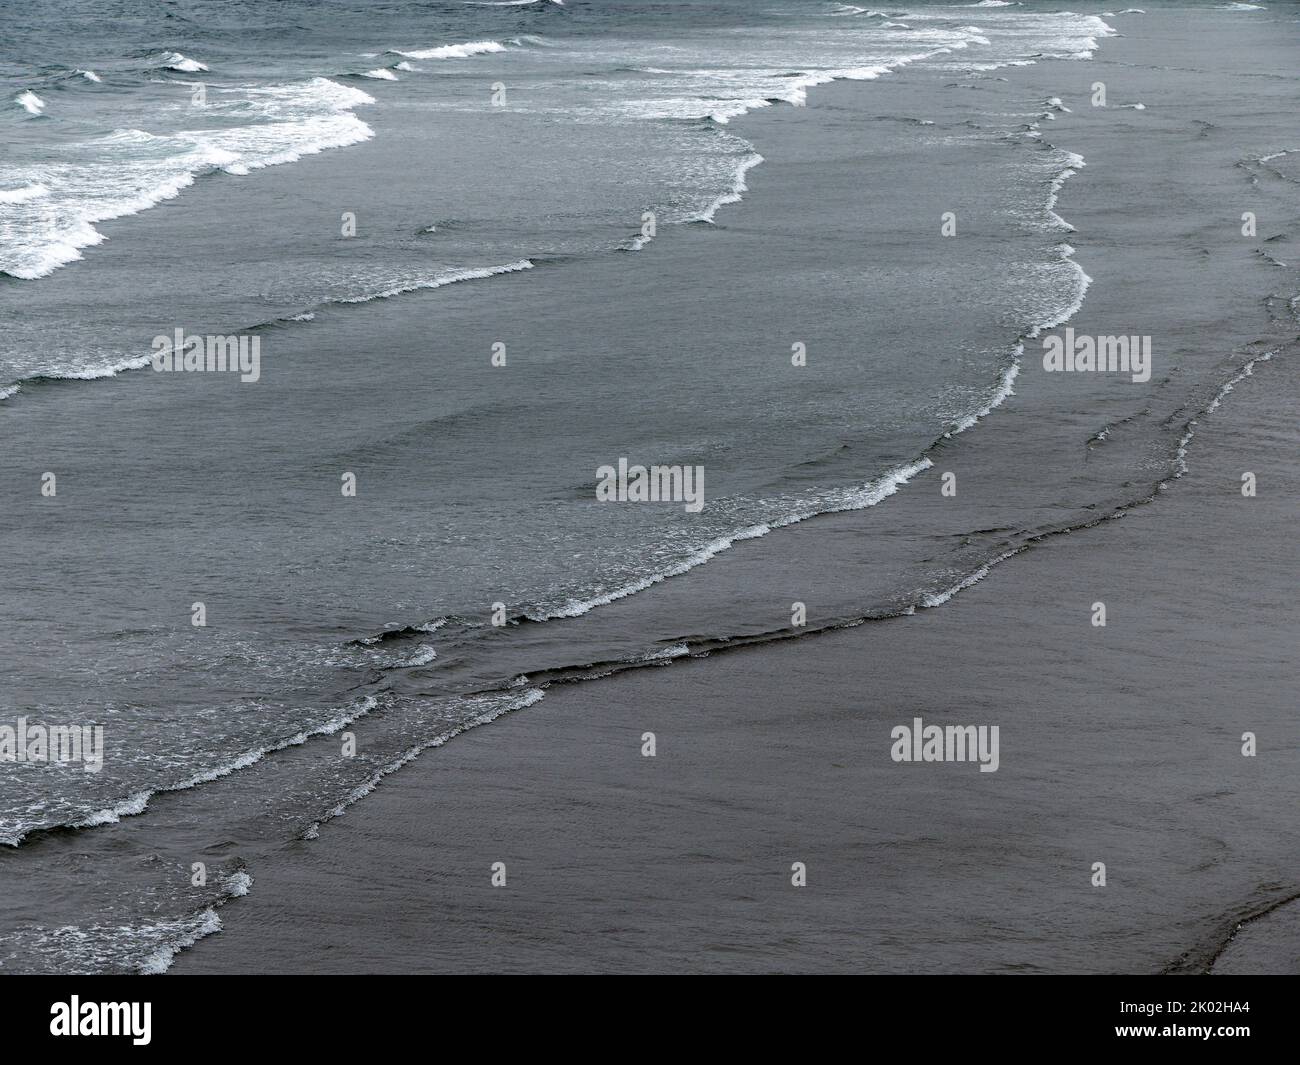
{"x": 194, "y": 171}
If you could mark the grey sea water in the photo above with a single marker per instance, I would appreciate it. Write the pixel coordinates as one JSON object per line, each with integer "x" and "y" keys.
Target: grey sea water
{"x": 500, "y": 162}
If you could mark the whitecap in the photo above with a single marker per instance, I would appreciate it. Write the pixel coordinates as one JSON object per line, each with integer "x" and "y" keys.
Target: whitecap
{"x": 176, "y": 61}
{"x": 29, "y": 101}
{"x": 453, "y": 51}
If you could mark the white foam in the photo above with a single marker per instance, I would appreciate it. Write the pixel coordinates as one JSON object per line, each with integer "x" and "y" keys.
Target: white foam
{"x": 176, "y": 61}
{"x": 237, "y": 885}
{"x": 381, "y": 74}
{"x": 857, "y": 497}
{"x": 939, "y": 598}
{"x": 205, "y": 923}
{"x": 34, "y": 191}
{"x": 138, "y": 802}
{"x": 289, "y": 99}
{"x": 422, "y": 657}
{"x": 97, "y": 371}
{"x": 1074, "y": 163}
{"x": 454, "y": 51}
{"x": 30, "y": 102}
{"x": 736, "y": 193}
{"x": 667, "y": 654}
{"x": 186, "y": 932}
{"x": 131, "y": 170}
{"x": 1001, "y": 394}
{"x": 438, "y": 281}
{"x": 1083, "y": 282}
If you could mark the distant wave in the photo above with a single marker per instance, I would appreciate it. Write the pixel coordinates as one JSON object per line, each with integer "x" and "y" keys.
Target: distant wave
{"x": 437, "y": 281}
{"x": 299, "y": 119}
{"x": 113, "y": 366}
{"x": 176, "y": 61}
{"x": 452, "y": 51}
{"x": 792, "y": 86}
{"x": 92, "y": 372}
{"x": 792, "y": 90}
